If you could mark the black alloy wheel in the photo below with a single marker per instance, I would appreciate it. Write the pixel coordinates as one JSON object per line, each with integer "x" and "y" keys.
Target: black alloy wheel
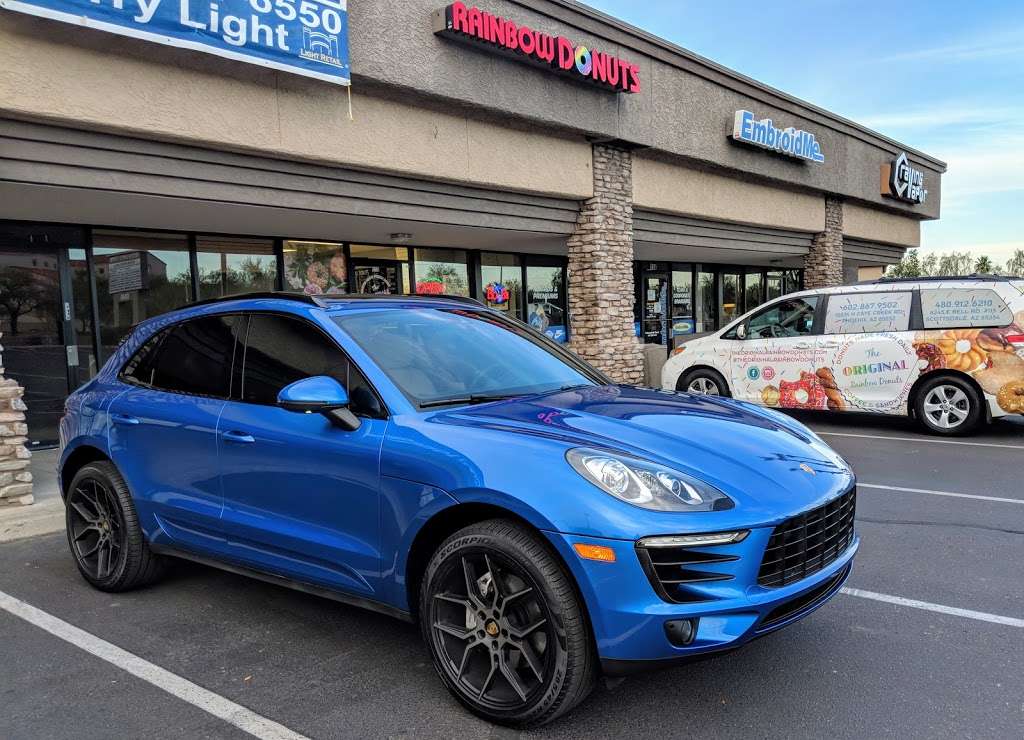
{"x": 504, "y": 625}
{"x": 103, "y": 532}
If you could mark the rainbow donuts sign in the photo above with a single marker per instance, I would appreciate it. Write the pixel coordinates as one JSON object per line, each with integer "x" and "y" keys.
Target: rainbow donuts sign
{"x": 558, "y": 53}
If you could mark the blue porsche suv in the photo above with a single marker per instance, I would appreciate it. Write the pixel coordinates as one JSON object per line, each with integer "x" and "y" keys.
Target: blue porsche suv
{"x": 434, "y": 460}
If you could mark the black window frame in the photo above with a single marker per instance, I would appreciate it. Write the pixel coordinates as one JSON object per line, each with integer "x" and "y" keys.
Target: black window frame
{"x": 163, "y": 332}
{"x": 385, "y": 412}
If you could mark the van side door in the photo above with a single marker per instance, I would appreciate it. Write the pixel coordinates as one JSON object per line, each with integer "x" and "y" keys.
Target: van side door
{"x": 775, "y": 360}
{"x": 869, "y": 362}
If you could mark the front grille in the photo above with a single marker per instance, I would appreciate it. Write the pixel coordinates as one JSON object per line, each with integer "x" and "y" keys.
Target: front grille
{"x": 804, "y": 544}
{"x": 678, "y": 572}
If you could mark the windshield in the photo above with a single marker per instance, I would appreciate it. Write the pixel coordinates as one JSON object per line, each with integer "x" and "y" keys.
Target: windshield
{"x": 438, "y": 356}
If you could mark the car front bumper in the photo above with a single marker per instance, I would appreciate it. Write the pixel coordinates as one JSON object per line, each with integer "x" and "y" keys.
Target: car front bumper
{"x": 628, "y": 616}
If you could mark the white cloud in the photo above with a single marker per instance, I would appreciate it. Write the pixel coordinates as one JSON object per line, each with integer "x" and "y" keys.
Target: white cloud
{"x": 992, "y": 46}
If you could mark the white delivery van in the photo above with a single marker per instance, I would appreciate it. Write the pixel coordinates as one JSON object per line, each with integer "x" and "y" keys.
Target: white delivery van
{"x": 948, "y": 351}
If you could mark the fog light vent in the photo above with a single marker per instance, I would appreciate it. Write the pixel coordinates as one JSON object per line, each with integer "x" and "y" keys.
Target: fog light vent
{"x": 680, "y": 632}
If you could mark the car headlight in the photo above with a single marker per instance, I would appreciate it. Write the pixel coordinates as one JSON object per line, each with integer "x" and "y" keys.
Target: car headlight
{"x": 646, "y": 484}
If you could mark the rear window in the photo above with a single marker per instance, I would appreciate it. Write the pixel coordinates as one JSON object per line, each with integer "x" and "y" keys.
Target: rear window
{"x": 859, "y": 313}
{"x": 963, "y": 307}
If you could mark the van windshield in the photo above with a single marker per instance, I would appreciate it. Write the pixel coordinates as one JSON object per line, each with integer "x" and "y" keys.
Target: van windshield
{"x": 439, "y": 356}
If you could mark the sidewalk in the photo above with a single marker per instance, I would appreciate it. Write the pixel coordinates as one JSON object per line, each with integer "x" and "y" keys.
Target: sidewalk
{"x": 47, "y": 513}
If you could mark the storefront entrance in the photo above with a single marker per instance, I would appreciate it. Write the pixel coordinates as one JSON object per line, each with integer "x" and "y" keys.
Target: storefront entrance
{"x": 40, "y": 350}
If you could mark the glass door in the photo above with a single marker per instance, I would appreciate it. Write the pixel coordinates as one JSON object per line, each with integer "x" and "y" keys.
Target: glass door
{"x": 39, "y": 347}
{"x": 731, "y": 303}
{"x": 654, "y": 299}
{"x": 683, "y": 320}
{"x": 378, "y": 277}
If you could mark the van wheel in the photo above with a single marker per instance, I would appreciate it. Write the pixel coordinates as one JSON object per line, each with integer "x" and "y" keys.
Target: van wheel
{"x": 948, "y": 405}
{"x": 103, "y": 531}
{"x": 703, "y": 382}
{"x": 505, "y": 627}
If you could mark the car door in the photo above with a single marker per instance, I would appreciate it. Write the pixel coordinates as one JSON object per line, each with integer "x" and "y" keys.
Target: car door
{"x": 301, "y": 495}
{"x": 163, "y": 430}
{"x": 867, "y": 350}
{"x": 775, "y": 361}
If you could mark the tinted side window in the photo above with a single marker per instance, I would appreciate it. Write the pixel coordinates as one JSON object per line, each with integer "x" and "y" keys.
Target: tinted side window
{"x": 963, "y": 307}
{"x": 280, "y": 350}
{"x": 791, "y": 317}
{"x": 860, "y": 313}
{"x": 195, "y": 357}
{"x": 139, "y": 369}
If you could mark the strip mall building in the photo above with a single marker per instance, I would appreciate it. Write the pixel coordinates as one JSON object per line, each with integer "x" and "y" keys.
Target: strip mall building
{"x": 552, "y": 161}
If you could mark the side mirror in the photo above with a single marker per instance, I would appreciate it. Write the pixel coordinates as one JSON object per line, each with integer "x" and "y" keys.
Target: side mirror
{"x": 741, "y": 331}
{"x": 319, "y": 395}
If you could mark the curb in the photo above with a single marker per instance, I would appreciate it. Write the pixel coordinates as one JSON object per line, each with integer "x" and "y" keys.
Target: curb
{"x": 45, "y": 517}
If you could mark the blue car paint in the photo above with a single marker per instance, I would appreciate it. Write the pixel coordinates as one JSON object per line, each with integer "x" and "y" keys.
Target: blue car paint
{"x": 310, "y": 502}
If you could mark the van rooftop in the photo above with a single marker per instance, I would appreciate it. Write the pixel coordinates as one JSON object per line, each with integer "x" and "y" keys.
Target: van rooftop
{"x": 941, "y": 278}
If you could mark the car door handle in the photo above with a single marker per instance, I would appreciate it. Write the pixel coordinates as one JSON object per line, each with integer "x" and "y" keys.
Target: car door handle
{"x": 829, "y": 345}
{"x": 803, "y": 345}
{"x": 239, "y": 437}
{"x": 124, "y": 419}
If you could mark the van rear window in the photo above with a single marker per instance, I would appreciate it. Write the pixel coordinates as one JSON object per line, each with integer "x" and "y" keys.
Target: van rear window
{"x": 963, "y": 307}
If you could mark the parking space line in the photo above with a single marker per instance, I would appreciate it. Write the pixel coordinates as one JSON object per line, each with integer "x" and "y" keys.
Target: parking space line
{"x": 1000, "y": 499}
{"x": 215, "y": 704}
{"x": 928, "y": 606}
{"x": 920, "y": 439}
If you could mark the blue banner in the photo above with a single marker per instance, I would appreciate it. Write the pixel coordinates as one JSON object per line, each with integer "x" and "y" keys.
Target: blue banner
{"x": 306, "y": 37}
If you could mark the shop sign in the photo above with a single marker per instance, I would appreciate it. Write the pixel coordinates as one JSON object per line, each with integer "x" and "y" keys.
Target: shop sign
{"x": 306, "y": 37}
{"x": 790, "y": 141}
{"x": 903, "y": 182}
{"x": 554, "y": 52}
{"x": 126, "y": 272}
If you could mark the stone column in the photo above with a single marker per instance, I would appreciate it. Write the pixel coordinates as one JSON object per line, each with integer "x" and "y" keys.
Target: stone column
{"x": 15, "y": 478}
{"x": 601, "y": 271}
{"x": 823, "y": 265}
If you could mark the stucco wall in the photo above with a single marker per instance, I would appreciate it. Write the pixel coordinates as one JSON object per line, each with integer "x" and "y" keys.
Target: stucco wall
{"x": 89, "y": 79}
{"x": 880, "y": 226}
{"x": 662, "y": 186}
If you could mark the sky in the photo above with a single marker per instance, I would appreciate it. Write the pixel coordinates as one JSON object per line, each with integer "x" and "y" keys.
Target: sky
{"x": 946, "y": 78}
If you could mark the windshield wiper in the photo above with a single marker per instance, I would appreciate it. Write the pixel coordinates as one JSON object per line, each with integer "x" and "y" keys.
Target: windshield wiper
{"x": 472, "y": 399}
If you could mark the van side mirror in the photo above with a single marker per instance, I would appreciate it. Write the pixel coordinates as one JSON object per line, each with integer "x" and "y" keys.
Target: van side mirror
{"x": 741, "y": 331}
{"x": 319, "y": 394}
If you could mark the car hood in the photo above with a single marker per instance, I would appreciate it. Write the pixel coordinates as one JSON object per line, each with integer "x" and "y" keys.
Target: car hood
{"x": 765, "y": 461}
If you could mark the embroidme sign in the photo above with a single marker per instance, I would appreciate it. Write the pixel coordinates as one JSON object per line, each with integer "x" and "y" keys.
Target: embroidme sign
{"x": 903, "y": 182}
{"x": 789, "y": 141}
{"x": 555, "y": 52}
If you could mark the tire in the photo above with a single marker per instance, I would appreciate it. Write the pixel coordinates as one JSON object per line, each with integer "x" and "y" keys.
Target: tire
{"x": 496, "y": 603}
{"x": 948, "y": 406}
{"x": 703, "y": 377}
{"x": 100, "y": 519}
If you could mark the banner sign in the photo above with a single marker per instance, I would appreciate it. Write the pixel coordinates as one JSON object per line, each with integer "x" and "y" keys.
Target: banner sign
{"x": 306, "y": 37}
{"x": 903, "y": 182}
{"x": 790, "y": 141}
{"x": 557, "y": 53}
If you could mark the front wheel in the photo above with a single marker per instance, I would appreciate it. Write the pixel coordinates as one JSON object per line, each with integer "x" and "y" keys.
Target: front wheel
{"x": 504, "y": 625}
{"x": 948, "y": 406}
{"x": 703, "y": 382}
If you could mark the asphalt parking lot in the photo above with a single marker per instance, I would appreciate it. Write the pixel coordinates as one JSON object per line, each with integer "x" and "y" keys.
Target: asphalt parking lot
{"x": 927, "y": 642}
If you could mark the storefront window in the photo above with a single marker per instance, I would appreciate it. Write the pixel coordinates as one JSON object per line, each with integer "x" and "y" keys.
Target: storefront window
{"x": 502, "y": 282}
{"x": 683, "y": 322}
{"x": 88, "y": 364}
{"x": 754, "y": 289}
{"x": 705, "y": 302}
{"x": 774, "y": 286}
{"x": 730, "y": 307}
{"x": 315, "y": 267}
{"x": 138, "y": 275}
{"x": 441, "y": 272}
{"x": 793, "y": 280}
{"x": 235, "y": 265}
{"x": 545, "y": 301}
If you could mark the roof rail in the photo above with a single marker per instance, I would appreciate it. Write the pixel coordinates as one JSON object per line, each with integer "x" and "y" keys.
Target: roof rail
{"x": 323, "y": 300}
{"x": 938, "y": 278}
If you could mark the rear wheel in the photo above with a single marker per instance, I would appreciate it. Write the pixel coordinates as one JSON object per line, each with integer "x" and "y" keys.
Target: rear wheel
{"x": 703, "y": 382}
{"x": 504, "y": 625}
{"x": 948, "y": 406}
{"x": 103, "y": 531}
